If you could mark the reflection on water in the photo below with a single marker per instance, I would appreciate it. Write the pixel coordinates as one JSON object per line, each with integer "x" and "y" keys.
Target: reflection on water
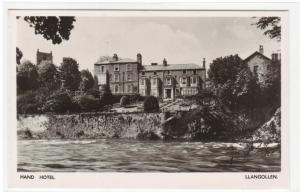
{"x": 109, "y": 155}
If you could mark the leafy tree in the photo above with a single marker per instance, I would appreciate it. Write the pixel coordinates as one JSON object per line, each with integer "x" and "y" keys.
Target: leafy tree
{"x": 246, "y": 90}
{"x": 58, "y": 102}
{"x": 27, "y": 76}
{"x": 27, "y": 103}
{"x": 225, "y": 68}
{"x": 271, "y": 25}
{"x": 87, "y": 80}
{"x": 48, "y": 76}
{"x": 106, "y": 97}
{"x": 19, "y": 55}
{"x": 89, "y": 103}
{"x": 69, "y": 74}
{"x": 151, "y": 104}
{"x": 52, "y": 28}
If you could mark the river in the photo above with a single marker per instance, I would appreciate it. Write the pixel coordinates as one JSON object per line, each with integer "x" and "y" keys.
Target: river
{"x": 121, "y": 155}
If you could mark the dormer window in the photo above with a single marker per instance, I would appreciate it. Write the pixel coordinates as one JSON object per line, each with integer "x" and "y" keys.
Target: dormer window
{"x": 116, "y": 68}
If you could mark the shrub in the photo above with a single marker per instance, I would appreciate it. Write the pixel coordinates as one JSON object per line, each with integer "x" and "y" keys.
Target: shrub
{"x": 88, "y": 103}
{"x": 58, "y": 102}
{"x": 151, "y": 104}
{"x": 106, "y": 97}
{"x": 124, "y": 101}
{"x": 27, "y": 103}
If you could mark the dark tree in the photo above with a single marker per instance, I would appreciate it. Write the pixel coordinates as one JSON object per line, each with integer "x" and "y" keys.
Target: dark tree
{"x": 151, "y": 104}
{"x": 69, "y": 74}
{"x": 225, "y": 68}
{"x": 271, "y": 26}
{"x": 52, "y": 28}
{"x": 27, "y": 76}
{"x": 87, "y": 80}
{"x": 106, "y": 97}
{"x": 19, "y": 55}
{"x": 48, "y": 76}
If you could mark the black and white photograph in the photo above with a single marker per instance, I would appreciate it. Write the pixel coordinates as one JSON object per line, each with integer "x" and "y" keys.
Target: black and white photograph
{"x": 148, "y": 94}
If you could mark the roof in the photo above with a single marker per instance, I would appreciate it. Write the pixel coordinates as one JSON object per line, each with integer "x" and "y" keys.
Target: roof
{"x": 171, "y": 67}
{"x": 256, "y": 53}
{"x": 110, "y": 61}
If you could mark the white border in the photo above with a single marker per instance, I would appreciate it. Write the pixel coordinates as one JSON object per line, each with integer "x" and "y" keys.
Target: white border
{"x": 275, "y": 6}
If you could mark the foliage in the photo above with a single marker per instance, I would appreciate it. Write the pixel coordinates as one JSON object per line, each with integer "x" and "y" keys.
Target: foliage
{"x": 19, "y": 55}
{"x": 58, "y": 102}
{"x": 27, "y": 103}
{"x": 69, "y": 74}
{"x": 48, "y": 76}
{"x": 87, "y": 80}
{"x": 106, "y": 97}
{"x": 89, "y": 103}
{"x": 205, "y": 96}
{"x": 271, "y": 25}
{"x": 151, "y": 104}
{"x": 27, "y": 76}
{"x": 225, "y": 68}
{"x": 125, "y": 100}
{"x": 52, "y": 28}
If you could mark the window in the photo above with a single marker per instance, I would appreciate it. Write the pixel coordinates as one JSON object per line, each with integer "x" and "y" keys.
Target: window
{"x": 143, "y": 73}
{"x": 117, "y": 77}
{"x": 116, "y": 88}
{"x": 183, "y": 80}
{"x": 194, "y": 72}
{"x": 255, "y": 68}
{"x": 129, "y": 88}
{"x": 168, "y": 72}
{"x": 129, "y": 67}
{"x": 194, "y": 80}
{"x": 154, "y": 73}
{"x": 142, "y": 81}
{"x": 184, "y": 71}
{"x": 129, "y": 77}
{"x": 102, "y": 68}
{"x": 153, "y": 81}
{"x": 116, "y": 68}
{"x": 168, "y": 81}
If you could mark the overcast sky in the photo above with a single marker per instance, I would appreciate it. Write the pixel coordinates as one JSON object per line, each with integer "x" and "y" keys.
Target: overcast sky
{"x": 179, "y": 40}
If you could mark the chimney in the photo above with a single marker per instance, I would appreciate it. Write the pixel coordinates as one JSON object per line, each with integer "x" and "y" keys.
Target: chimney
{"x": 139, "y": 58}
{"x": 164, "y": 62}
{"x": 204, "y": 63}
{"x": 275, "y": 57}
{"x": 261, "y": 49}
{"x": 115, "y": 57}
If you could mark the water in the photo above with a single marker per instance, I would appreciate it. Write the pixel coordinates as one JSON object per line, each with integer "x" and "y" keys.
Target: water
{"x": 118, "y": 155}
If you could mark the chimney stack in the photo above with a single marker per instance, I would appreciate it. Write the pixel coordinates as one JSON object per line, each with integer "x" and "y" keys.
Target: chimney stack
{"x": 139, "y": 58}
{"x": 261, "y": 49}
{"x": 204, "y": 63}
{"x": 115, "y": 57}
{"x": 164, "y": 62}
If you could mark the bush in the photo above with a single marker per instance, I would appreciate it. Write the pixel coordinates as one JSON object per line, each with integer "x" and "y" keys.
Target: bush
{"x": 89, "y": 103}
{"x": 151, "y": 104}
{"x": 27, "y": 103}
{"x": 59, "y": 102}
{"x": 124, "y": 101}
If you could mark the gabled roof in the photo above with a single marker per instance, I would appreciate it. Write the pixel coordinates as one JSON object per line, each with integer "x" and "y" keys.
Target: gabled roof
{"x": 256, "y": 53}
{"x": 125, "y": 60}
{"x": 171, "y": 67}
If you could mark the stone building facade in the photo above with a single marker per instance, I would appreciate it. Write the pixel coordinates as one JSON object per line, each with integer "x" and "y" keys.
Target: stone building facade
{"x": 258, "y": 63}
{"x": 43, "y": 56}
{"x": 168, "y": 81}
{"x": 120, "y": 74}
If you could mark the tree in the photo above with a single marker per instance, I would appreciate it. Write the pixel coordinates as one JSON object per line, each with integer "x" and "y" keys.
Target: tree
{"x": 52, "y": 28}
{"x": 225, "y": 68}
{"x": 48, "y": 76}
{"x": 19, "y": 55}
{"x": 87, "y": 80}
{"x": 106, "y": 97}
{"x": 58, "y": 102}
{"x": 125, "y": 100}
{"x": 69, "y": 74}
{"x": 271, "y": 25}
{"x": 27, "y": 76}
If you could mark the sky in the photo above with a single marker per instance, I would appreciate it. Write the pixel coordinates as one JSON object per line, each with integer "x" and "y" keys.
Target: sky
{"x": 179, "y": 40}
